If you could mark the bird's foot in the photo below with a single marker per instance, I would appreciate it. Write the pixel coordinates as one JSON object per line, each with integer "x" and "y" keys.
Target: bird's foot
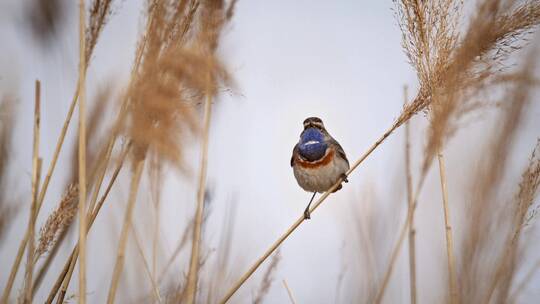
{"x": 307, "y": 215}
{"x": 344, "y": 177}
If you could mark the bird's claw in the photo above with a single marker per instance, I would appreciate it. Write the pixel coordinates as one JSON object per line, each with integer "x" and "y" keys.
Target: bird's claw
{"x": 344, "y": 177}
{"x": 307, "y": 215}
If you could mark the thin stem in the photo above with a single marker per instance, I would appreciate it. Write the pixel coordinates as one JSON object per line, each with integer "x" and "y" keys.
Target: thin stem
{"x": 62, "y": 275}
{"x": 82, "y": 155}
{"x": 43, "y": 191}
{"x": 289, "y": 292}
{"x": 176, "y": 252}
{"x": 397, "y": 247}
{"x": 38, "y": 280}
{"x": 448, "y": 228}
{"x": 410, "y": 205}
{"x": 69, "y": 274}
{"x": 67, "y": 271}
{"x": 124, "y": 234}
{"x": 300, "y": 220}
{"x": 52, "y": 166}
{"x": 36, "y": 169}
{"x": 191, "y": 287}
{"x": 155, "y": 288}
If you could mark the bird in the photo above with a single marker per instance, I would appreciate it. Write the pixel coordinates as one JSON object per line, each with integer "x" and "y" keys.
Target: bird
{"x": 318, "y": 160}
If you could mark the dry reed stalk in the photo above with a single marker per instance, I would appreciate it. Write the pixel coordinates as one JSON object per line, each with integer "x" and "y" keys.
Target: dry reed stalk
{"x": 410, "y": 206}
{"x": 482, "y": 219}
{"x": 452, "y": 282}
{"x": 523, "y": 201}
{"x": 99, "y": 12}
{"x": 267, "y": 279}
{"x": 65, "y": 276}
{"x": 67, "y": 271}
{"x": 99, "y": 161}
{"x": 155, "y": 288}
{"x": 36, "y": 169}
{"x": 463, "y": 62}
{"x": 368, "y": 240}
{"x": 192, "y": 279}
{"x": 98, "y": 23}
{"x": 82, "y": 154}
{"x": 65, "y": 284}
{"x": 221, "y": 266}
{"x": 447, "y": 85}
{"x": 181, "y": 244}
{"x": 101, "y": 168}
{"x": 155, "y": 177}
{"x": 395, "y": 251}
{"x": 43, "y": 191}
{"x": 178, "y": 69}
{"x": 118, "y": 266}
{"x": 289, "y": 292}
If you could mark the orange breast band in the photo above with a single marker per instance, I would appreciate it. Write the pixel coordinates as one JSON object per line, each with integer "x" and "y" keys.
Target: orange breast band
{"x": 318, "y": 163}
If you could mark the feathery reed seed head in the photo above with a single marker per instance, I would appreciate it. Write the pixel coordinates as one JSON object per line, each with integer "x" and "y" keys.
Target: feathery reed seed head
{"x": 57, "y": 221}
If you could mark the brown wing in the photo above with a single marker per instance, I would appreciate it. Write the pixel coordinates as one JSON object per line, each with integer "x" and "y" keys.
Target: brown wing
{"x": 295, "y": 150}
{"x": 339, "y": 149}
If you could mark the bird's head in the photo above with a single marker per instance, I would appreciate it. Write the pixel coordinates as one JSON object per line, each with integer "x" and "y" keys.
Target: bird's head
{"x": 314, "y": 122}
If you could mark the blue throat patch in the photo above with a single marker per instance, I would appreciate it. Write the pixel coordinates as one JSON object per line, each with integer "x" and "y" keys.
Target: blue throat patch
{"x": 312, "y": 146}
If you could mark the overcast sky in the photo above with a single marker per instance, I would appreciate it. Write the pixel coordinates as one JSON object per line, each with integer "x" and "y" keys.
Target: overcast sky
{"x": 339, "y": 60}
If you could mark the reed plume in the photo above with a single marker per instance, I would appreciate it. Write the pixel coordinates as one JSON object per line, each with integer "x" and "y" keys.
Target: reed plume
{"x": 57, "y": 222}
{"x": 175, "y": 73}
{"x": 267, "y": 279}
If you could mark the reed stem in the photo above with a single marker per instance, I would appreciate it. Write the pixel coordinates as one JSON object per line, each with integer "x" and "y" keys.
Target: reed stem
{"x": 82, "y": 154}
{"x": 191, "y": 287}
{"x": 36, "y": 170}
{"x": 67, "y": 271}
{"x": 124, "y": 234}
{"x": 155, "y": 288}
{"x": 448, "y": 230}
{"x": 410, "y": 206}
{"x": 289, "y": 292}
{"x": 397, "y": 247}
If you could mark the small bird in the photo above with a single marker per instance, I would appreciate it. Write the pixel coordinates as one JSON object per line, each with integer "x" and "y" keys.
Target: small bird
{"x": 318, "y": 160}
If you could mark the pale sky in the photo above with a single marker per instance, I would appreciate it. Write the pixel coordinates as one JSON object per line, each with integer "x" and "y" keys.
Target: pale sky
{"x": 339, "y": 60}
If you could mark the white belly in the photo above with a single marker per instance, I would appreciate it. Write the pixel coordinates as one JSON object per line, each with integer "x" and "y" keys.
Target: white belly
{"x": 322, "y": 178}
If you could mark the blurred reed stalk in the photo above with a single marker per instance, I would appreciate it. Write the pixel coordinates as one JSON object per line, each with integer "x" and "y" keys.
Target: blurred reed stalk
{"x": 155, "y": 287}
{"x": 82, "y": 154}
{"x": 267, "y": 279}
{"x": 100, "y": 10}
{"x": 67, "y": 271}
{"x": 450, "y": 71}
{"x": 191, "y": 287}
{"x": 402, "y": 233}
{"x": 410, "y": 205}
{"x": 289, "y": 292}
{"x": 36, "y": 169}
{"x": 120, "y": 256}
{"x": 448, "y": 232}
{"x": 463, "y": 69}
